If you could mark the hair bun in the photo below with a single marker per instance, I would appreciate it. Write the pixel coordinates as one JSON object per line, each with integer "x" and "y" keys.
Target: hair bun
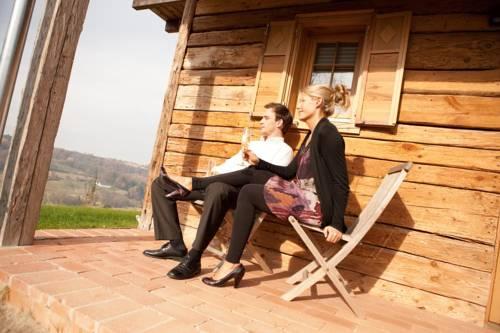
{"x": 341, "y": 96}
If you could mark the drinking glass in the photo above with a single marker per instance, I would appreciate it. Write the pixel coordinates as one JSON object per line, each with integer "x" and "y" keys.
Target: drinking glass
{"x": 245, "y": 140}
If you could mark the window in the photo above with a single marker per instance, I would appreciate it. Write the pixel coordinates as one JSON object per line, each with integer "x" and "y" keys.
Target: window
{"x": 330, "y": 60}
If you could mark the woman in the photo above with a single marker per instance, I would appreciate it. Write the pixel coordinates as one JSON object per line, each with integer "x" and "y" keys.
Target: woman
{"x": 313, "y": 187}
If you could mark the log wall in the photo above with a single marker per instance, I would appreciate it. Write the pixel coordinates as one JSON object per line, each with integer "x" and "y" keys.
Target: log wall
{"x": 434, "y": 247}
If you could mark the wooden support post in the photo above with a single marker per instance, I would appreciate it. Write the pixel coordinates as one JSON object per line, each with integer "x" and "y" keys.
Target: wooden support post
{"x": 27, "y": 168}
{"x": 168, "y": 107}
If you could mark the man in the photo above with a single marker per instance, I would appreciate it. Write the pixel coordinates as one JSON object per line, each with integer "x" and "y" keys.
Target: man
{"x": 218, "y": 197}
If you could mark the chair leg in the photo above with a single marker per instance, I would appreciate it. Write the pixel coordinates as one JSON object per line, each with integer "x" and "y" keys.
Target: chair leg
{"x": 303, "y": 286}
{"x": 215, "y": 252}
{"x": 250, "y": 249}
{"x": 316, "y": 276}
{"x": 303, "y": 273}
{"x": 258, "y": 221}
{"x": 325, "y": 268}
{"x": 332, "y": 275}
{"x": 254, "y": 253}
{"x": 219, "y": 265}
{"x": 340, "y": 287}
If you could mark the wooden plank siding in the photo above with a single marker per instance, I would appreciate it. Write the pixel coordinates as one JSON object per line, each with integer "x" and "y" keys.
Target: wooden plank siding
{"x": 219, "y": 57}
{"x": 454, "y": 50}
{"x": 450, "y": 110}
{"x": 219, "y": 77}
{"x": 467, "y": 83}
{"x": 228, "y": 37}
{"x": 468, "y": 158}
{"x": 434, "y": 246}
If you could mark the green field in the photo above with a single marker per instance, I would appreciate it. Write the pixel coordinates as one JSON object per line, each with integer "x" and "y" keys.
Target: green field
{"x": 78, "y": 217}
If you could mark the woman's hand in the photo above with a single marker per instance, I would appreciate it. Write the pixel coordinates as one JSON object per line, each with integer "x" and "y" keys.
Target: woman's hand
{"x": 332, "y": 235}
{"x": 250, "y": 157}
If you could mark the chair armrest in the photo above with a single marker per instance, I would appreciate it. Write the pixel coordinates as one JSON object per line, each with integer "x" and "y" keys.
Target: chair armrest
{"x": 346, "y": 237}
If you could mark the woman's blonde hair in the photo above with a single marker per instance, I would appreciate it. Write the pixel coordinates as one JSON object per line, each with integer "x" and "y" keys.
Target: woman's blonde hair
{"x": 331, "y": 96}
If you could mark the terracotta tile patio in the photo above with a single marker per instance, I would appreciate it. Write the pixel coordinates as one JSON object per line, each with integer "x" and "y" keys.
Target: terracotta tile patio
{"x": 98, "y": 281}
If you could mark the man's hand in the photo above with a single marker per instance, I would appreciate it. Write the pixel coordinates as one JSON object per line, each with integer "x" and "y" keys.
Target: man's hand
{"x": 332, "y": 235}
{"x": 250, "y": 157}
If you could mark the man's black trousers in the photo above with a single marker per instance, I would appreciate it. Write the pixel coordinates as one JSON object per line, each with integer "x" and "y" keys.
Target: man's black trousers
{"x": 218, "y": 199}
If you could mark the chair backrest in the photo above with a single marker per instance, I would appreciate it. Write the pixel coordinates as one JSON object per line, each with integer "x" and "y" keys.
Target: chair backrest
{"x": 379, "y": 201}
{"x": 210, "y": 167}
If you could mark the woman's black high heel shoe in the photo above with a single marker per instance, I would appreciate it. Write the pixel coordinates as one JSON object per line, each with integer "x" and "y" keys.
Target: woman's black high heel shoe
{"x": 236, "y": 273}
{"x": 179, "y": 192}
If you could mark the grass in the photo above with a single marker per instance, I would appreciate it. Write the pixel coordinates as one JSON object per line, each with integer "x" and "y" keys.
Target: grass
{"x": 79, "y": 217}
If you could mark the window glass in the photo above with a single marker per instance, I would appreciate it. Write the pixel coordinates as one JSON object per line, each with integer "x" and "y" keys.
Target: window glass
{"x": 334, "y": 63}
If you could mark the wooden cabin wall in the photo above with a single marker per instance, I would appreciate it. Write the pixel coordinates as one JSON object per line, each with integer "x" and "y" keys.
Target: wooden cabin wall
{"x": 434, "y": 246}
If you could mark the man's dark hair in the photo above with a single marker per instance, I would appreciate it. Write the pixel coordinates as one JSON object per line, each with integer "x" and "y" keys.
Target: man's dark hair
{"x": 282, "y": 113}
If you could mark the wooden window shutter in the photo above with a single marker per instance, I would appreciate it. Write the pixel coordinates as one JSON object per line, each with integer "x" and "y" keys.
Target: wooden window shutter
{"x": 382, "y": 69}
{"x": 273, "y": 71}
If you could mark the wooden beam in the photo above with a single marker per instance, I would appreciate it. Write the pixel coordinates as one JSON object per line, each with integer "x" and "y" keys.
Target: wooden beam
{"x": 33, "y": 143}
{"x": 172, "y": 26}
{"x": 207, "y": 7}
{"x": 169, "y": 11}
{"x": 146, "y": 4}
{"x": 168, "y": 107}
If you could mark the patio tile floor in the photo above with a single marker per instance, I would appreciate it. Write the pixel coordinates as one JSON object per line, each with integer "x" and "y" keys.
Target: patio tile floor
{"x": 97, "y": 280}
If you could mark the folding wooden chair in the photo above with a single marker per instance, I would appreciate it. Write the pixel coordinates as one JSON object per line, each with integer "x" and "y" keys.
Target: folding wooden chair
{"x": 325, "y": 265}
{"x": 228, "y": 219}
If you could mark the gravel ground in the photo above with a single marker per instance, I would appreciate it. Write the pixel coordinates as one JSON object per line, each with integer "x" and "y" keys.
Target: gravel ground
{"x": 15, "y": 321}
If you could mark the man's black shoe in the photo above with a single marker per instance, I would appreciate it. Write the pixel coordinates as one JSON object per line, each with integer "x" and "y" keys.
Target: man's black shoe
{"x": 187, "y": 269}
{"x": 167, "y": 251}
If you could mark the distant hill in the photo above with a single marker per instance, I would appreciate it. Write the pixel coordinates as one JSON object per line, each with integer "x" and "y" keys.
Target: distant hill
{"x": 84, "y": 179}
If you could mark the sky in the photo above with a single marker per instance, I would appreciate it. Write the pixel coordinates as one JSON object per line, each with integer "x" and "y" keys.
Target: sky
{"x": 118, "y": 81}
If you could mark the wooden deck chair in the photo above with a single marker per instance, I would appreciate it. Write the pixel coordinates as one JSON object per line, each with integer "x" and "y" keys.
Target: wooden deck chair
{"x": 228, "y": 219}
{"x": 325, "y": 265}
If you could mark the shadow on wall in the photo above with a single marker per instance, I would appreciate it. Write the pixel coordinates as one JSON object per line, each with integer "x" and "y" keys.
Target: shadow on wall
{"x": 361, "y": 269}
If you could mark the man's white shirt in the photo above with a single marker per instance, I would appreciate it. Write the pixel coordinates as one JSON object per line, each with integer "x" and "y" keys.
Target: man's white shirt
{"x": 273, "y": 150}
